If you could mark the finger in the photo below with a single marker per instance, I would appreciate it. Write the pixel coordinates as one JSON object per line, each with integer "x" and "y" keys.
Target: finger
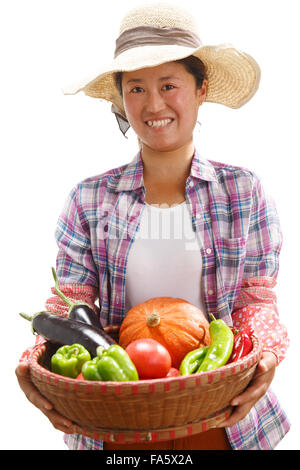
{"x": 31, "y": 393}
{"x": 58, "y": 421}
{"x": 22, "y": 370}
{"x": 260, "y": 383}
{"x": 252, "y": 393}
{"x": 267, "y": 363}
{"x": 257, "y": 388}
{"x": 239, "y": 413}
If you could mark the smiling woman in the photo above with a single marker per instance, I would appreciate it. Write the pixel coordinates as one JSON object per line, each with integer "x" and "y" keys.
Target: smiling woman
{"x": 161, "y": 104}
{"x": 160, "y": 75}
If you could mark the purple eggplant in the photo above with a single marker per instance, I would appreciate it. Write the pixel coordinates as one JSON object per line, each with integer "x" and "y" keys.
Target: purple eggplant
{"x": 63, "y": 330}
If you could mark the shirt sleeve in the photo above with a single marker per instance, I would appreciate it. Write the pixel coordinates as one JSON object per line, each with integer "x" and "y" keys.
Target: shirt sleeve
{"x": 264, "y": 238}
{"x": 256, "y": 305}
{"x": 74, "y": 263}
{"x": 75, "y": 267}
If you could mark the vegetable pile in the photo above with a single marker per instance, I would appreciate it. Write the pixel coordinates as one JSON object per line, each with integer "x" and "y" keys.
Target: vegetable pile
{"x": 162, "y": 337}
{"x": 175, "y": 323}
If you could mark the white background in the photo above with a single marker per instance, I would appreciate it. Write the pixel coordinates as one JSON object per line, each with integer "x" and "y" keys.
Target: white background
{"x": 49, "y": 142}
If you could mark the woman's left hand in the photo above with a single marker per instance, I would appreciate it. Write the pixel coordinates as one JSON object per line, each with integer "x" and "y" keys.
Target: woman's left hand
{"x": 260, "y": 383}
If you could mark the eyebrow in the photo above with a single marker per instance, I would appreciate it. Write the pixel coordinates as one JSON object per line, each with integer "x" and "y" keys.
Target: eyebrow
{"x": 137, "y": 80}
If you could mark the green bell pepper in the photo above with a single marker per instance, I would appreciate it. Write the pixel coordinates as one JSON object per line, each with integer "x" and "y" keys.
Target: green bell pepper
{"x": 112, "y": 364}
{"x": 69, "y": 359}
{"x": 192, "y": 361}
{"x": 116, "y": 365}
{"x": 220, "y": 347}
{"x": 90, "y": 369}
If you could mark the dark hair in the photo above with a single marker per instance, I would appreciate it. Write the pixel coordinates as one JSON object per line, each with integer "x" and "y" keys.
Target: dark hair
{"x": 195, "y": 67}
{"x": 192, "y": 64}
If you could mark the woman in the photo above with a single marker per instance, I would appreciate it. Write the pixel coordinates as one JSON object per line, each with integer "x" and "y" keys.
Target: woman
{"x": 225, "y": 262}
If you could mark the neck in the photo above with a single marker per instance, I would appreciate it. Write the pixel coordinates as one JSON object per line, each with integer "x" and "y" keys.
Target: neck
{"x": 169, "y": 164}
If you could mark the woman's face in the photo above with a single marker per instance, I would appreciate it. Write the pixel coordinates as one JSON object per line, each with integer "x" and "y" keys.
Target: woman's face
{"x": 161, "y": 105}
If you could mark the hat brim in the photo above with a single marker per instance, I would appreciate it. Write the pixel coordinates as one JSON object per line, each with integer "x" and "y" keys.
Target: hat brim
{"x": 233, "y": 76}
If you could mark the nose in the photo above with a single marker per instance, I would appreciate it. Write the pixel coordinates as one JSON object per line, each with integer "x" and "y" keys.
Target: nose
{"x": 155, "y": 102}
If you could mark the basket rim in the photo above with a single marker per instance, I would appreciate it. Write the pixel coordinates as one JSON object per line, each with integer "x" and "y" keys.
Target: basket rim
{"x": 131, "y": 436}
{"x": 213, "y": 376}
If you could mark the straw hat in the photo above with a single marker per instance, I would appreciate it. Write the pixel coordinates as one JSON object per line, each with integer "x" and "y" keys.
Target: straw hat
{"x": 154, "y": 34}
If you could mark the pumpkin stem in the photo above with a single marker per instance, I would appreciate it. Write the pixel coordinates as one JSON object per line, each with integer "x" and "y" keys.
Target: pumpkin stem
{"x": 153, "y": 319}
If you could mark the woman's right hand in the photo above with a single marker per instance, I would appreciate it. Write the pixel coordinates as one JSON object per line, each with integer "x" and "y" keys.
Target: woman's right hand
{"x": 33, "y": 395}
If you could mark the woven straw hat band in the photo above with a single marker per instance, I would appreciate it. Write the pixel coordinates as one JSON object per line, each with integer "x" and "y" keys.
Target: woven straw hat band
{"x": 150, "y": 35}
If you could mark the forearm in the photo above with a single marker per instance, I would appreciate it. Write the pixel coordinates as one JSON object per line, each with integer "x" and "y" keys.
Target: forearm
{"x": 76, "y": 293}
{"x": 256, "y": 308}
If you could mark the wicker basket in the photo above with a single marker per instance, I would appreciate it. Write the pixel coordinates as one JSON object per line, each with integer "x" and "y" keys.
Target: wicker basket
{"x": 147, "y": 410}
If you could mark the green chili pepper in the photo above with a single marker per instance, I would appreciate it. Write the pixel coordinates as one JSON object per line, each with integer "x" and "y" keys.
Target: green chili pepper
{"x": 220, "y": 348}
{"x": 192, "y": 361}
{"x": 115, "y": 364}
{"x": 69, "y": 359}
{"x": 90, "y": 369}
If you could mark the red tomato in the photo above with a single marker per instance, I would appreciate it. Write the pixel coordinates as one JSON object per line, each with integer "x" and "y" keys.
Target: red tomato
{"x": 80, "y": 376}
{"x": 151, "y": 358}
{"x": 173, "y": 372}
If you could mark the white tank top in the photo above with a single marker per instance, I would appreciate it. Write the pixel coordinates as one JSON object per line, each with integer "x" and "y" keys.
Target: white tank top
{"x": 165, "y": 257}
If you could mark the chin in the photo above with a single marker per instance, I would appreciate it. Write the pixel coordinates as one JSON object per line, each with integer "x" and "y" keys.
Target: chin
{"x": 162, "y": 146}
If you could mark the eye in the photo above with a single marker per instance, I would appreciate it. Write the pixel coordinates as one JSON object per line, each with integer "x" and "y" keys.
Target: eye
{"x": 168, "y": 87}
{"x": 137, "y": 89}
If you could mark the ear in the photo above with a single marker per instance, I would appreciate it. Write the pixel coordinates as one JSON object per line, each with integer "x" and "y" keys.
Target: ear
{"x": 201, "y": 92}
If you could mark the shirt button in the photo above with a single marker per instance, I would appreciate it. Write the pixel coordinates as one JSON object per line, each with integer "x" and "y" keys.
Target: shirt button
{"x": 210, "y": 292}
{"x": 208, "y": 251}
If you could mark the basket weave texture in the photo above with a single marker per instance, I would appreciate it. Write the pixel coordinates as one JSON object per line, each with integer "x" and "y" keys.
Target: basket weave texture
{"x": 144, "y": 410}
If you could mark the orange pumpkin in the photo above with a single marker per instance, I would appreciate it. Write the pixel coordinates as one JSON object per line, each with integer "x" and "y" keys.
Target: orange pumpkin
{"x": 175, "y": 323}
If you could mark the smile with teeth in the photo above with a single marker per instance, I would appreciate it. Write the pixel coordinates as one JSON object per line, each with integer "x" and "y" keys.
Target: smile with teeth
{"x": 160, "y": 123}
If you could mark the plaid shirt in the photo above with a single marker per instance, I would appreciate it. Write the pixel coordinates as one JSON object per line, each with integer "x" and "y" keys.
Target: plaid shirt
{"x": 240, "y": 237}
